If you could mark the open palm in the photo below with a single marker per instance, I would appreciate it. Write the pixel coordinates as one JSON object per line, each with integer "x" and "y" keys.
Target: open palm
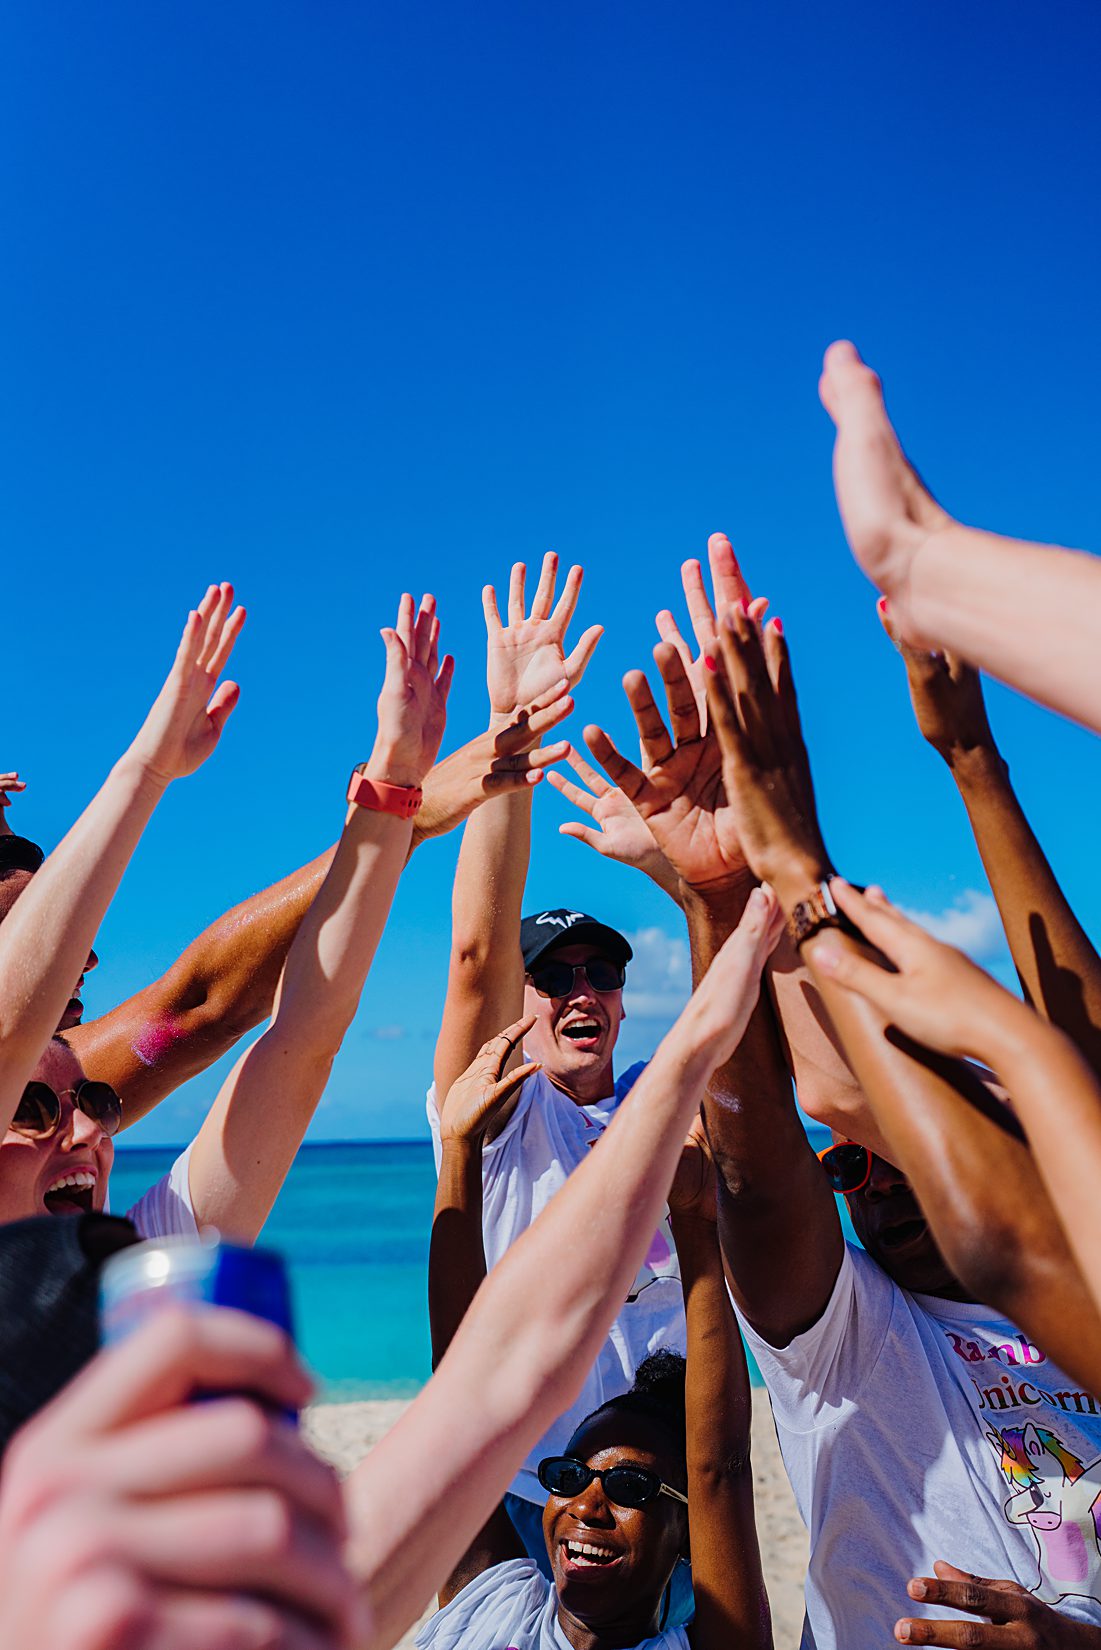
{"x": 528, "y": 656}
{"x": 680, "y": 796}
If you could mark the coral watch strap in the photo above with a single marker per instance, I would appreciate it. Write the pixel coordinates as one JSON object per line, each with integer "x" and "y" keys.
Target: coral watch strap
{"x": 401, "y": 800}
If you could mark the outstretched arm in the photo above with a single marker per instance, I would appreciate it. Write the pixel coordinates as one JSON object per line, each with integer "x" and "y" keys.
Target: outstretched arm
{"x": 732, "y": 1610}
{"x": 539, "y": 1319}
{"x": 224, "y": 984}
{"x": 1057, "y": 966}
{"x": 941, "y": 1126}
{"x": 526, "y": 661}
{"x": 952, "y": 586}
{"x": 47, "y": 935}
{"x": 782, "y": 1270}
{"x": 249, "y": 1139}
{"x": 1025, "y": 1259}
{"x": 456, "y": 1259}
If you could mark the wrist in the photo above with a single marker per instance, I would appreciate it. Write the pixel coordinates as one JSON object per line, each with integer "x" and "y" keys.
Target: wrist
{"x": 142, "y": 776}
{"x": 725, "y": 897}
{"x": 795, "y": 878}
{"x": 460, "y": 1148}
{"x": 388, "y": 765}
{"x": 977, "y": 767}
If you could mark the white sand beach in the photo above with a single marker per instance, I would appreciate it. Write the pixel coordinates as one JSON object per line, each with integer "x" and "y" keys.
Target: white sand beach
{"x": 343, "y": 1433}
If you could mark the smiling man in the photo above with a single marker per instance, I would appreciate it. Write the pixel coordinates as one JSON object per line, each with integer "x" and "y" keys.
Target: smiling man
{"x": 566, "y": 970}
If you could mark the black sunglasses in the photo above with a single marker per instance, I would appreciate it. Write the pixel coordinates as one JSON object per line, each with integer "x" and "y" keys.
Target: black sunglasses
{"x": 625, "y": 1486}
{"x": 557, "y": 979}
{"x": 848, "y": 1166}
{"x": 38, "y": 1114}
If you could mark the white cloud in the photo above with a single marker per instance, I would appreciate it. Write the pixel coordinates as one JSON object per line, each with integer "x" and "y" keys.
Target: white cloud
{"x": 659, "y": 977}
{"x": 388, "y": 1034}
{"x": 971, "y": 923}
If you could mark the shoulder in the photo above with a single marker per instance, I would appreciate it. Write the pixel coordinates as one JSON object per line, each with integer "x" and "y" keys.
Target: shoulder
{"x": 506, "y": 1603}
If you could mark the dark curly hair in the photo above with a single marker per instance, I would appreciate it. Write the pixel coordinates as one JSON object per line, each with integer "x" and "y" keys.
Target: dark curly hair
{"x": 658, "y": 1392}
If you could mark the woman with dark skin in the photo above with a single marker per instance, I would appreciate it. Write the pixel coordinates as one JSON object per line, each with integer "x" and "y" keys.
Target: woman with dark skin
{"x": 681, "y": 1436}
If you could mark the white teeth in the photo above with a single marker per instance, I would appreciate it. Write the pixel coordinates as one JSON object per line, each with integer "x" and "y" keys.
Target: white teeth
{"x": 586, "y": 1550}
{"x": 81, "y": 1178}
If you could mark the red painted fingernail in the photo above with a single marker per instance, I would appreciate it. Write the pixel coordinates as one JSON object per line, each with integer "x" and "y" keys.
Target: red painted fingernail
{"x": 882, "y": 604}
{"x": 778, "y": 626}
{"x": 743, "y": 603}
{"x": 709, "y": 662}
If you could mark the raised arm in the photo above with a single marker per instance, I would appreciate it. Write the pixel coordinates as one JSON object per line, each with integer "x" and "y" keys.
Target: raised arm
{"x": 939, "y": 998}
{"x": 1055, "y": 961}
{"x": 526, "y": 661}
{"x": 249, "y": 1139}
{"x": 941, "y": 1127}
{"x": 732, "y": 1610}
{"x": 539, "y": 1319}
{"x": 47, "y": 935}
{"x": 456, "y": 1258}
{"x": 782, "y": 1270}
{"x": 952, "y": 586}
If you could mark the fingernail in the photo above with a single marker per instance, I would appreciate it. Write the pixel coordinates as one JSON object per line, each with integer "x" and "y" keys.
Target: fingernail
{"x": 778, "y": 626}
{"x": 903, "y": 1631}
{"x": 882, "y": 604}
{"x": 743, "y": 603}
{"x": 755, "y": 899}
{"x": 827, "y": 957}
{"x": 709, "y": 663}
{"x": 917, "y": 1589}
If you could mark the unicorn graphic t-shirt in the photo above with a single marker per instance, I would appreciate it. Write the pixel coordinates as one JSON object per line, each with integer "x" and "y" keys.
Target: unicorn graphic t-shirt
{"x": 915, "y": 1428}
{"x": 544, "y": 1140}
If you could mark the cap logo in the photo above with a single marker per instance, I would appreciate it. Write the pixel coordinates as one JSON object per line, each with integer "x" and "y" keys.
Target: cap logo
{"x": 559, "y": 919}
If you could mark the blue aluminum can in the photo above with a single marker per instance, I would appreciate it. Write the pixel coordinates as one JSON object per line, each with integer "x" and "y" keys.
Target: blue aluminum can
{"x": 187, "y": 1271}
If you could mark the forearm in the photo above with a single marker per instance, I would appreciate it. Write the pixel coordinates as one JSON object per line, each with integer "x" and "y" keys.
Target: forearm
{"x": 727, "y": 1580}
{"x": 485, "y": 986}
{"x": 967, "y": 590}
{"x": 511, "y": 1369}
{"x": 1058, "y": 1101}
{"x": 456, "y": 1258}
{"x": 1058, "y": 967}
{"x": 46, "y": 938}
{"x": 255, "y": 1127}
{"x": 977, "y": 1183}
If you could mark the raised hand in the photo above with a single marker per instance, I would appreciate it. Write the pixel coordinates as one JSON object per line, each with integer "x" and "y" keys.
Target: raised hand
{"x": 680, "y": 795}
{"x": 528, "y": 656}
{"x": 412, "y": 707}
{"x": 887, "y": 510}
{"x": 618, "y": 830}
{"x": 9, "y": 783}
{"x": 476, "y": 1098}
{"x": 496, "y": 762}
{"x": 766, "y": 773}
{"x": 730, "y": 588}
{"x": 946, "y": 695}
{"x": 1016, "y": 1620}
{"x": 936, "y": 995}
{"x": 188, "y": 715}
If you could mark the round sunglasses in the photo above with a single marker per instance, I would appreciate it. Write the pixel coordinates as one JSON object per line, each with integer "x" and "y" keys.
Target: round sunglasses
{"x": 625, "y": 1486}
{"x": 847, "y": 1165}
{"x": 38, "y": 1114}
{"x": 557, "y": 979}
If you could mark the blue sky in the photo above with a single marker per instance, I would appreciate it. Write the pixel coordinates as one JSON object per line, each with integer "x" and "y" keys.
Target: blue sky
{"x": 330, "y": 299}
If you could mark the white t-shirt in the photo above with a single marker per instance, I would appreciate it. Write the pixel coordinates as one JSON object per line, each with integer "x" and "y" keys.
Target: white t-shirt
{"x": 165, "y": 1209}
{"x": 915, "y": 1428}
{"x": 546, "y": 1137}
{"x": 512, "y": 1605}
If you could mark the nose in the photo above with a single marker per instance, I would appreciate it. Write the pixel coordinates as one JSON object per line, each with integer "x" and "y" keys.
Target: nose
{"x": 78, "y": 1129}
{"x": 93, "y": 962}
{"x": 591, "y": 1507}
{"x": 885, "y": 1180}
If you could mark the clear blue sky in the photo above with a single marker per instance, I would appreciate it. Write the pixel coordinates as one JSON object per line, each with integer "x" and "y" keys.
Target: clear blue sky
{"x": 334, "y": 298}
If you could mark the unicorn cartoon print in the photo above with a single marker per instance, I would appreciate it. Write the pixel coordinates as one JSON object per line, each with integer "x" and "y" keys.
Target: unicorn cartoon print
{"x": 1055, "y": 1496}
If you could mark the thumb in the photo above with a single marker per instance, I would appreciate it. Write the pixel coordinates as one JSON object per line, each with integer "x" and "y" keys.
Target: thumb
{"x": 221, "y": 706}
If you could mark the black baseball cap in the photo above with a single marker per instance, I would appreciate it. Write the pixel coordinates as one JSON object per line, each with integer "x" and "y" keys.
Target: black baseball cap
{"x": 542, "y": 931}
{"x": 49, "y": 1305}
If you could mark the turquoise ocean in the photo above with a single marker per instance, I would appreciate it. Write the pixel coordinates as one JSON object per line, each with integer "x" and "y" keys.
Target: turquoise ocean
{"x": 353, "y": 1222}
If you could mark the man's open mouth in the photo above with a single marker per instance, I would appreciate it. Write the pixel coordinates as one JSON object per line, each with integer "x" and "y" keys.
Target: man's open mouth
{"x": 903, "y": 1234}
{"x": 583, "y": 1031}
{"x": 587, "y": 1555}
{"x": 71, "y": 1194}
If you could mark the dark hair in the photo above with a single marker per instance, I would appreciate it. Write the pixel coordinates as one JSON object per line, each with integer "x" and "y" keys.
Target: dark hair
{"x": 19, "y": 853}
{"x": 658, "y": 1392}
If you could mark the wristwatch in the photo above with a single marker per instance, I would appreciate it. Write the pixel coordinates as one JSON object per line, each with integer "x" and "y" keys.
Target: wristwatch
{"x": 819, "y": 910}
{"x": 401, "y": 800}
